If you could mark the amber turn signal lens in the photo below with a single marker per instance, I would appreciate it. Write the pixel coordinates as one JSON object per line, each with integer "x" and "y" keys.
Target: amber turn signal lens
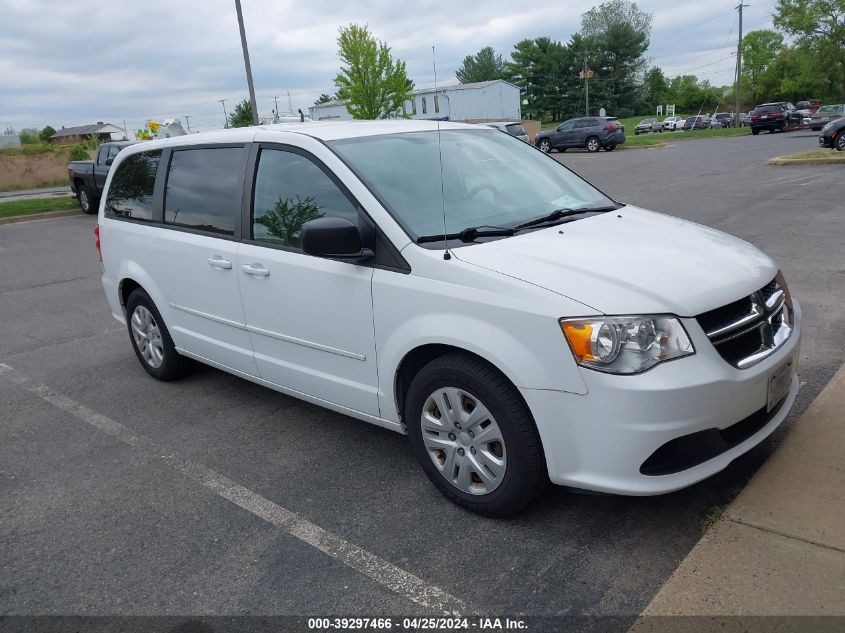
{"x": 579, "y": 337}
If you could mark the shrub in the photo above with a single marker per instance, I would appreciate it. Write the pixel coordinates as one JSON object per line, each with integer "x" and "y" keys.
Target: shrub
{"x": 29, "y": 136}
{"x": 78, "y": 151}
{"x": 624, "y": 113}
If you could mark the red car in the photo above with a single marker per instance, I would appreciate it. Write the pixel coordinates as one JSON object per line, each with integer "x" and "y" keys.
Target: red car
{"x": 697, "y": 123}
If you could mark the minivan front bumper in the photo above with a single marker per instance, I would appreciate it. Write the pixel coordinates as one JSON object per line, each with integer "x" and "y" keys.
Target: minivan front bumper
{"x": 664, "y": 429}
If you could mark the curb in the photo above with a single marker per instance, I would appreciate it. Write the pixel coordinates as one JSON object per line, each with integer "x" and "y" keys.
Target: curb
{"x": 830, "y": 160}
{"x": 39, "y": 216}
{"x": 779, "y": 548}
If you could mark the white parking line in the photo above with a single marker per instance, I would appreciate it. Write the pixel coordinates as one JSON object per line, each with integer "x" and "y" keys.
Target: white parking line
{"x": 386, "y": 574}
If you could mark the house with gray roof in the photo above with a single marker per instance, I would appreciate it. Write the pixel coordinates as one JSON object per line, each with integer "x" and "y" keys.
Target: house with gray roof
{"x": 103, "y": 131}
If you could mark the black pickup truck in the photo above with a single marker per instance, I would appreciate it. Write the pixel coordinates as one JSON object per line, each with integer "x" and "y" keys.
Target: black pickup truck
{"x": 88, "y": 177}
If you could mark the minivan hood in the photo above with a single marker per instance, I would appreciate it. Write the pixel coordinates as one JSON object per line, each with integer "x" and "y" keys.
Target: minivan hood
{"x": 631, "y": 261}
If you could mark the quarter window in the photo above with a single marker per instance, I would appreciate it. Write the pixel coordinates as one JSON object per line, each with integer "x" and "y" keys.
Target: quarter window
{"x": 204, "y": 189}
{"x": 290, "y": 190}
{"x": 131, "y": 191}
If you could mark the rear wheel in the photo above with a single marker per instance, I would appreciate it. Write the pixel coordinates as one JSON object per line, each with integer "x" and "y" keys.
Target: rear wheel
{"x": 545, "y": 145}
{"x": 755, "y": 131}
{"x": 151, "y": 340}
{"x": 593, "y": 144}
{"x": 87, "y": 200}
{"x": 840, "y": 142}
{"x": 610, "y": 148}
{"x": 474, "y": 437}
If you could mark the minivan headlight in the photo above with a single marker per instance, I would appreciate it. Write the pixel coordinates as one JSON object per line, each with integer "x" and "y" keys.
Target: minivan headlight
{"x": 626, "y": 344}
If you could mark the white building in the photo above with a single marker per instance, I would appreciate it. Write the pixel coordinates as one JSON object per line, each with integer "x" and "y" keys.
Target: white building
{"x": 496, "y": 100}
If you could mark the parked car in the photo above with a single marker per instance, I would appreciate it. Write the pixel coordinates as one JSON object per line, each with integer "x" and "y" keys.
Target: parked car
{"x": 648, "y": 125}
{"x": 809, "y": 106}
{"x": 722, "y": 119}
{"x": 456, "y": 285}
{"x": 774, "y": 116}
{"x": 833, "y": 134}
{"x": 514, "y": 128}
{"x": 592, "y": 133}
{"x": 87, "y": 177}
{"x": 670, "y": 122}
{"x": 700, "y": 122}
{"x": 825, "y": 114}
{"x": 744, "y": 119}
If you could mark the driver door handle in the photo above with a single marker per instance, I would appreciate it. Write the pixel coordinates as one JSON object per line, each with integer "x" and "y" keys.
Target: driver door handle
{"x": 256, "y": 270}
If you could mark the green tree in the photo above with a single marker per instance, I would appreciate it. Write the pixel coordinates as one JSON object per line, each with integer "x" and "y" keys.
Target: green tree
{"x": 46, "y": 133}
{"x": 29, "y": 136}
{"x": 541, "y": 68}
{"x": 485, "y": 65}
{"x": 372, "y": 84}
{"x": 241, "y": 116}
{"x": 818, "y": 25}
{"x": 760, "y": 49}
{"x": 324, "y": 98}
{"x": 616, "y": 36}
{"x": 655, "y": 89}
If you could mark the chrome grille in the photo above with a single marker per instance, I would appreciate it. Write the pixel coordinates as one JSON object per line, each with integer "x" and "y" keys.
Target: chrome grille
{"x": 750, "y": 329}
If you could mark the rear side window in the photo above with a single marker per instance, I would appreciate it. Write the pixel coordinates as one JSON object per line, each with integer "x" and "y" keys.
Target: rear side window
{"x": 290, "y": 190}
{"x": 204, "y": 189}
{"x": 131, "y": 191}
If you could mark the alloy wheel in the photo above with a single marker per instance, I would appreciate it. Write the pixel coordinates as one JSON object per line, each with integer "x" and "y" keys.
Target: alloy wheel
{"x": 84, "y": 201}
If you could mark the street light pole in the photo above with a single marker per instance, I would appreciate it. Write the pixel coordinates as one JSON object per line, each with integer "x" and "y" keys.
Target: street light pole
{"x": 246, "y": 63}
{"x": 225, "y": 116}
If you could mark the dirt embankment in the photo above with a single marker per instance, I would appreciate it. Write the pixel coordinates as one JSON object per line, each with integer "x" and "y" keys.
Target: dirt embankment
{"x": 32, "y": 171}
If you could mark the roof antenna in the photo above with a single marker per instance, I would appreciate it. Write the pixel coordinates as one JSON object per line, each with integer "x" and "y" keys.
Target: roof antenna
{"x": 446, "y": 254}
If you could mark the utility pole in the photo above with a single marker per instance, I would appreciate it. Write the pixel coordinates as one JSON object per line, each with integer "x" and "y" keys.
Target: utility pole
{"x": 586, "y": 75}
{"x": 246, "y": 63}
{"x": 290, "y": 105}
{"x": 225, "y": 116}
{"x": 188, "y": 122}
{"x": 738, "y": 64}
{"x": 276, "y": 100}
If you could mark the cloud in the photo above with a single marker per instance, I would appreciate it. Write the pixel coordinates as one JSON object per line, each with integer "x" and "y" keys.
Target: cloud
{"x": 79, "y": 61}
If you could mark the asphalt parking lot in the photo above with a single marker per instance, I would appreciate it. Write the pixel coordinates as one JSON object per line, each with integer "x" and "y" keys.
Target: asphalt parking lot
{"x": 211, "y": 495}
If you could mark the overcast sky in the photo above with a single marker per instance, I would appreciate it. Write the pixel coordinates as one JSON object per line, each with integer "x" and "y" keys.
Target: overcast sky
{"x": 73, "y": 62}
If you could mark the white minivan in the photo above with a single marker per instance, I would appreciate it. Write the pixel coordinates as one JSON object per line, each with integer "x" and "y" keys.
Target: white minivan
{"x": 455, "y": 284}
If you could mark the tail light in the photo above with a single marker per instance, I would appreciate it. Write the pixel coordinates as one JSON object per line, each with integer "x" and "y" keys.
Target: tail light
{"x": 97, "y": 241}
{"x": 610, "y": 127}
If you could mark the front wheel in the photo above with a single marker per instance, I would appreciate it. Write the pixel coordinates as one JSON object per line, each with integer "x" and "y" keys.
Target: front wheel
{"x": 87, "y": 200}
{"x": 474, "y": 437}
{"x": 544, "y": 145}
{"x": 151, "y": 340}
{"x": 593, "y": 144}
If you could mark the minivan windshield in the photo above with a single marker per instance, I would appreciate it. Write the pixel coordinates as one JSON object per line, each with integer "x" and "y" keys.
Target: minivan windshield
{"x": 489, "y": 179}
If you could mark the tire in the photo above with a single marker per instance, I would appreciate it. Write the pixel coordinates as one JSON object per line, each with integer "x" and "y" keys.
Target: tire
{"x": 610, "y": 148}
{"x": 159, "y": 356}
{"x": 755, "y": 131}
{"x": 561, "y": 149}
{"x": 544, "y": 145}
{"x": 515, "y": 444}
{"x": 840, "y": 142}
{"x": 593, "y": 144}
{"x": 636, "y": 133}
{"x": 87, "y": 200}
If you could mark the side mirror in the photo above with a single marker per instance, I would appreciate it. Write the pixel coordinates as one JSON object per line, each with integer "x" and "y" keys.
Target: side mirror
{"x": 109, "y": 161}
{"x": 335, "y": 238}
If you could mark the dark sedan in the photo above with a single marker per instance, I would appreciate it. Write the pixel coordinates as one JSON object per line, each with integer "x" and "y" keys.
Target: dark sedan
{"x": 833, "y": 135}
{"x": 696, "y": 123}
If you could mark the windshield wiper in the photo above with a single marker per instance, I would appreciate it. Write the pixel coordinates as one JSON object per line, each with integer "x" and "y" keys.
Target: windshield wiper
{"x": 559, "y": 214}
{"x": 470, "y": 234}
